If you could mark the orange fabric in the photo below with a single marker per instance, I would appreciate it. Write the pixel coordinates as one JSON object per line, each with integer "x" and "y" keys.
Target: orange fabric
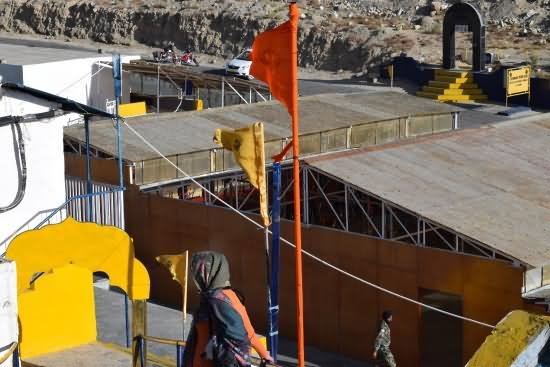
{"x": 202, "y": 339}
{"x": 272, "y": 60}
{"x": 254, "y": 340}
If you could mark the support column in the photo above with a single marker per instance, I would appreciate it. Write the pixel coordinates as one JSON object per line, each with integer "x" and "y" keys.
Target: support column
{"x": 383, "y": 220}
{"x": 139, "y": 325}
{"x": 346, "y": 206}
{"x": 158, "y": 88}
{"x": 88, "y": 169}
{"x": 223, "y": 92}
{"x": 305, "y": 184}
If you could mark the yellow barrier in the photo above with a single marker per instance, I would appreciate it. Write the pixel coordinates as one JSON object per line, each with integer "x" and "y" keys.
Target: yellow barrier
{"x": 199, "y": 105}
{"x": 132, "y": 109}
{"x": 57, "y": 312}
{"x": 97, "y": 248}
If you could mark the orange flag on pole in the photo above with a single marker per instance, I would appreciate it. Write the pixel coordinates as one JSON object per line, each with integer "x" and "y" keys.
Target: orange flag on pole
{"x": 275, "y": 61}
{"x": 272, "y": 60}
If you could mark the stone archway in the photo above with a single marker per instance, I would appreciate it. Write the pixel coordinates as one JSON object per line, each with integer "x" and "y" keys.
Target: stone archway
{"x": 468, "y": 15}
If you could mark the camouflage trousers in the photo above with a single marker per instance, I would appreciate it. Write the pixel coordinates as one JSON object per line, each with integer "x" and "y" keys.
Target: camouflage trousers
{"x": 385, "y": 358}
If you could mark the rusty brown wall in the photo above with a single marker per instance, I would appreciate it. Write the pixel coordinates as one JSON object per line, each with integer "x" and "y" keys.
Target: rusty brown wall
{"x": 341, "y": 314}
{"x": 103, "y": 170}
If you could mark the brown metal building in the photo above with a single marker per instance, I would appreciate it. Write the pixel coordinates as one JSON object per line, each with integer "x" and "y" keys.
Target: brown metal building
{"x": 451, "y": 219}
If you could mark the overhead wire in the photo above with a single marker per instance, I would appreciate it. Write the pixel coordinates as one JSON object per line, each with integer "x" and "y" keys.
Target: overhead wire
{"x": 310, "y": 255}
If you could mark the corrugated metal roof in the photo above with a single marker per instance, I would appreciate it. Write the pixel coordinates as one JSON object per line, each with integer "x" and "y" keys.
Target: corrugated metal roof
{"x": 178, "y": 133}
{"x": 489, "y": 184}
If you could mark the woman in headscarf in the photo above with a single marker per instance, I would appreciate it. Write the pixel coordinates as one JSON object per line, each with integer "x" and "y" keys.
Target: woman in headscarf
{"x": 221, "y": 334}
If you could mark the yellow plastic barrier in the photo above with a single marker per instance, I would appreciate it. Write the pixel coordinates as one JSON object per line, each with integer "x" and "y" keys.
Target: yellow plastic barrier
{"x": 132, "y": 109}
{"x": 97, "y": 248}
{"x": 199, "y": 105}
{"x": 57, "y": 312}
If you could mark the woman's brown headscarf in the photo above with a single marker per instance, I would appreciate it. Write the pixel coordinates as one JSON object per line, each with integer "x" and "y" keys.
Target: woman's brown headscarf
{"x": 210, "y": 270}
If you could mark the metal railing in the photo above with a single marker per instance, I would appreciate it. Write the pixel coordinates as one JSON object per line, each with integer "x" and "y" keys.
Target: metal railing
{"x": 535, "y": 279}
{"x": 103, "y": 206}
{"x": 12, "y": 351}
{"x": 142, "y": 339}
{"x": 104, "y": 203}
{"x": 31, "y": 223}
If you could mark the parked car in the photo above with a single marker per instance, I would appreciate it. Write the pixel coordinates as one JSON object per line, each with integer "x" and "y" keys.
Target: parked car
{"x": 240, "y": 65}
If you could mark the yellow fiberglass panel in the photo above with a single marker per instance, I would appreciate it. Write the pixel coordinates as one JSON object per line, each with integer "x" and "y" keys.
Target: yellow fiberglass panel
{"x": 57, "y": 312}
{"x": 91, "y": 246}
{"x": 132, "y": 109}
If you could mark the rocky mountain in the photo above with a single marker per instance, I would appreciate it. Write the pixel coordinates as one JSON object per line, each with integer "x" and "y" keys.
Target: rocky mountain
{"x": 349, "y": 34}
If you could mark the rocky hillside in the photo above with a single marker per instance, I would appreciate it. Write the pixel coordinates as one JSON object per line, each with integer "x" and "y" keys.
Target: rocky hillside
{"x": 350, "y": 34}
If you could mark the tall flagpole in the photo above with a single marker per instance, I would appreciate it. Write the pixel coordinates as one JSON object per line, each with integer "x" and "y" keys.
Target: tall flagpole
{"x": 297, "y": 201}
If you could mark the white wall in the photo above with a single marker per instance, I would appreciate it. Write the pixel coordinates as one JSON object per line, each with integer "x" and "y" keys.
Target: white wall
{"x": 9, "y": 330}
{"x": 45, "y": 187}
{"x": 73, "y": 79}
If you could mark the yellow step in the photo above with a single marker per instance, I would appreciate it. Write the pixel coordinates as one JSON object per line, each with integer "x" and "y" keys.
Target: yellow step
{"x": 452, "y": 73}
{"x": 452, "y": 79}
{"x": 447, "y": 85}
{"x": 453, "y": 91}
{"x": 452, "y": 98}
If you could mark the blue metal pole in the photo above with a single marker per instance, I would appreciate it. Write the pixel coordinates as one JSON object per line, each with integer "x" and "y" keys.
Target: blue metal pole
{"x": 179, "y": 361}
{"x": 127, "y": 321}
{"x": 88, "y": 169}
{"x": 15, "y": 357}
{"x": 273, "y": 339}
{"x": 142, "y": 350}
{"x": 117, "y": 81}
{"x": 117, "y": 77}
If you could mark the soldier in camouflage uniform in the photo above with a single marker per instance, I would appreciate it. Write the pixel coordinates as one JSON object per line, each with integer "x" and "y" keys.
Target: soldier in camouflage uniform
{"x": 382, "y": 353}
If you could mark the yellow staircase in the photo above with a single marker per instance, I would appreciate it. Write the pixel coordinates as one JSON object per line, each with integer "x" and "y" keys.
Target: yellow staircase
{"x": 452, "y": 86}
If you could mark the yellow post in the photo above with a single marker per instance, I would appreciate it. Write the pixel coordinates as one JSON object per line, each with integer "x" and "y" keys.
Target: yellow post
{"x": 185, "y": 289}
{"x": 390, "y": 73}
{"x": 139, "y": 325}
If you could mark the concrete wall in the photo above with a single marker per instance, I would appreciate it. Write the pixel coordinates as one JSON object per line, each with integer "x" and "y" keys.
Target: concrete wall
{"x": 73, "y": 79}
{"x": 45, "y": 187}
{"x": 341, "y": 315}
{"x": 11, "y": 73}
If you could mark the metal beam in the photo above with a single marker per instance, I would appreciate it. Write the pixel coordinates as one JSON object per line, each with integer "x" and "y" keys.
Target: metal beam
{"x": 328, "y": 201}
{"x": 365, "y": 213}
{"x": 234, "y": 90}
{"x": 401, "y": 224}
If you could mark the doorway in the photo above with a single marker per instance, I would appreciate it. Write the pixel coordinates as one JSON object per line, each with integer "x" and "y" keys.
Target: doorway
{"x": 468, "y": 18}
{"x": 463, "y": 47}
{"x": 441, "y": 336}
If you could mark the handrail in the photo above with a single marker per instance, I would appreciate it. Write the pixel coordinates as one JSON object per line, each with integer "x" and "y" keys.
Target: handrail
{"x": 25, "y": 224}
{"x": 165, "y": 341}
{"x": 9, "y": 353}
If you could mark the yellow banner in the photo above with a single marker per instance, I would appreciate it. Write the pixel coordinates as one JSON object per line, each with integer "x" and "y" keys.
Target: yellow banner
{"x": 517, "y": 81}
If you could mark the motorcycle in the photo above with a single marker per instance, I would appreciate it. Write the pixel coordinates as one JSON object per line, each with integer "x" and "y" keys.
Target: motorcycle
{"x": 165, "y": 56}
{"x": 189, "y": 59}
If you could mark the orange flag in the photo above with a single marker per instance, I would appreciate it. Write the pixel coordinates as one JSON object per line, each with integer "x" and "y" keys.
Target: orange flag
{"x": 272, "y": 60}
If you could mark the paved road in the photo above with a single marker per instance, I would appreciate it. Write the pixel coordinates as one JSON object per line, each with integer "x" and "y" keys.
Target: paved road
{"x": 167, "y": 323}
{"x": 472, "y": 115}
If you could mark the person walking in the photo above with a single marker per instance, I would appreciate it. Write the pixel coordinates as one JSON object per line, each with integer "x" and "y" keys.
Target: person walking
{"x": 382, "y": 353}
{"x": 221, "y": 333}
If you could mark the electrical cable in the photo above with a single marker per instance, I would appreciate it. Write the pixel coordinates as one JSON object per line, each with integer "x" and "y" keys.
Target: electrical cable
{"x": 20, "y": 161}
